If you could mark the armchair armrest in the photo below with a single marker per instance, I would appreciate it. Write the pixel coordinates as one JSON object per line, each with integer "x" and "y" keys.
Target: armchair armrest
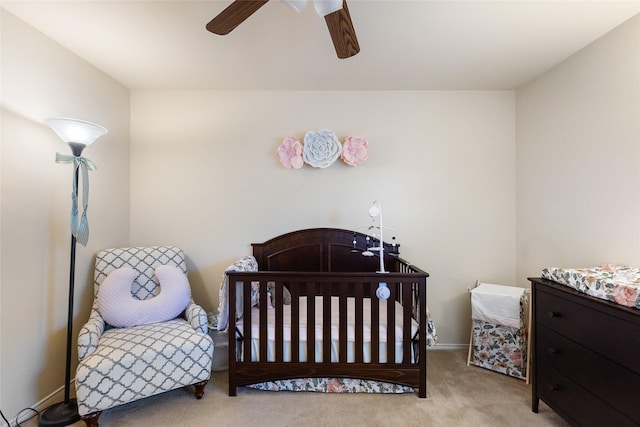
{"x": 197, "y": 317}
{"x": 90, "y": 333}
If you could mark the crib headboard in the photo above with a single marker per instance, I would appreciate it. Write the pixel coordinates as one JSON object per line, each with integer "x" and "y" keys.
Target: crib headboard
{"x": 322, "y": 249}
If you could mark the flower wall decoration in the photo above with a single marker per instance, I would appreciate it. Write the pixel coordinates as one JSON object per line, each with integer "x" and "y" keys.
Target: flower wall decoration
{"x": 290, "y": 153}
{"x": 354, "y": 150}
{"x": 321, "y": 149}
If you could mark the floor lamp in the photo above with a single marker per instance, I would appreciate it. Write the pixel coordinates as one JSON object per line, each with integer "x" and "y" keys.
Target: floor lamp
{"x": 78, "y": 134}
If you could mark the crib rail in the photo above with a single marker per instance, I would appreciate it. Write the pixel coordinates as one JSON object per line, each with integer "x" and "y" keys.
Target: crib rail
{"x": 408, "y": 287}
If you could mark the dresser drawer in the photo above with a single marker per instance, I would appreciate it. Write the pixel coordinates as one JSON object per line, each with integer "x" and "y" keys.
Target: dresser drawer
{"x": 605, "y": 379}
{"x": 574, "y": 402}
{"x": 610, "y": 336}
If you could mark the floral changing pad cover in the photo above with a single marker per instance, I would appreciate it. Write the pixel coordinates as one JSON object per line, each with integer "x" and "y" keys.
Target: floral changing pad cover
{"x": 612, "y": 282}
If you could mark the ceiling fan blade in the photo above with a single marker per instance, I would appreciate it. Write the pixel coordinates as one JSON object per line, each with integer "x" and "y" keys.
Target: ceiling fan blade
{"x": 234, "y": 15}
{"x": 342, "y": 32}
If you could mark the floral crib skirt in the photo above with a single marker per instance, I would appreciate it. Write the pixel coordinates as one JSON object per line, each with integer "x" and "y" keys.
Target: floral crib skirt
{"x": 502, "y": 348}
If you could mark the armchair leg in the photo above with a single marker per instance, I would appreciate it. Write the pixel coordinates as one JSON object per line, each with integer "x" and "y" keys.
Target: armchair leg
{"x": 91, "y": 419}
{"x": 200, "y": 388}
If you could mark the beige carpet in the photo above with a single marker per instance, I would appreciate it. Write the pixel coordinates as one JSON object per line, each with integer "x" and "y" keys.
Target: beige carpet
{"x": 457, "y": 395}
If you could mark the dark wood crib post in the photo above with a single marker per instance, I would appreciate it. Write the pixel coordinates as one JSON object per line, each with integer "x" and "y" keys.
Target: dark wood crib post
{"x": 422, "y": 332}
{"x": 231, "y": 292}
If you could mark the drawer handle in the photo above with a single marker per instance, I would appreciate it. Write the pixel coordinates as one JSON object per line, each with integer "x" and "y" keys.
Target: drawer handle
{"x": 553, "y": 387}
{"x": 554, "y": 314}
{"x": 553, "y": 350}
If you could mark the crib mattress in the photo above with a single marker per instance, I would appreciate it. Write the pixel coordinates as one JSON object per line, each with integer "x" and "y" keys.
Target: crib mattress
{"x": 619, "y": 284}
{"x": 335, "y": 328}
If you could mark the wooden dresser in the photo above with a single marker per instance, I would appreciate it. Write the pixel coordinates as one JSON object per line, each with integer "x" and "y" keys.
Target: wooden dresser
{"x": 585, "y": 356}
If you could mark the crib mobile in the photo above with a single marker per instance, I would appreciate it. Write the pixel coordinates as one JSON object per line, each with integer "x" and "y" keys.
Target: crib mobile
{"x": 375, "y": 212}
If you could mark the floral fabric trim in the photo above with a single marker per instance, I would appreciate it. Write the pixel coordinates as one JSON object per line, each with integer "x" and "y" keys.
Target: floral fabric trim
{"x": 619, "y": 284}
{"x": 246, "y": 263}
{"x": 332, "y": 385}
{"x": 432, "y": 334}
{"x": 499, "y": 348}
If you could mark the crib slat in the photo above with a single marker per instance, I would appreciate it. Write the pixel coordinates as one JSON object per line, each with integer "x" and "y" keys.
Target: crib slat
{"x": 391, "y": 325}
{"x": 326, "y": 323}
{"x": 246, "y": 310}
{"x": 406, "y": 322}
{"x": 278, "y": 302}
{"x": 311, "y": 321}
{"x": 375, "y": 324}
{"x": 359, "y": 324}
{"x": 263, "y": 307}
{"x": 342, "y": 323}
{"x": 295, "y": 322}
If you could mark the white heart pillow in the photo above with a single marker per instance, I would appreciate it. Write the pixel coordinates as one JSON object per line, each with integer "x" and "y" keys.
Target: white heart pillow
{"x": 120, "y": 308}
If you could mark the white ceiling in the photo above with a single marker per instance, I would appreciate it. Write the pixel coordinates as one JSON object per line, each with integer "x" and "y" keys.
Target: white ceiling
{"x": 419, "y": 44}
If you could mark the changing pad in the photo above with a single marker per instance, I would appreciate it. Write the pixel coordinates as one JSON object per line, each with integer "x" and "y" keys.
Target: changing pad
{"x": 612, "y": 282}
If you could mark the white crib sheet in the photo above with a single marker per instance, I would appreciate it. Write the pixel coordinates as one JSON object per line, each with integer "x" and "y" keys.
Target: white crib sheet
{"x": 335, "y": 327}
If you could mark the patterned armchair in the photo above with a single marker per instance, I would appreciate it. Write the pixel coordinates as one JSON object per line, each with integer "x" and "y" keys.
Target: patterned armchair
{"x": 121, "y": 365}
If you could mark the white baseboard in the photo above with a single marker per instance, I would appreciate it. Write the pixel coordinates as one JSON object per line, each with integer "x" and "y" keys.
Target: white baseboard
{"x": 55, "y": 397}
{"x": 449, "y": 347}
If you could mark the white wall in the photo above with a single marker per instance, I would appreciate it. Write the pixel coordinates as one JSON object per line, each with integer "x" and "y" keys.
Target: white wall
{"x": 39, "y": 80}
{"x": 205, "y": 177}
{"x": 578, "y": 158}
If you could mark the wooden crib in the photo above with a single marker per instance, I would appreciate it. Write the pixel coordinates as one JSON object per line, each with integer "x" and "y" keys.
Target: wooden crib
{"x": 326, "y": 276}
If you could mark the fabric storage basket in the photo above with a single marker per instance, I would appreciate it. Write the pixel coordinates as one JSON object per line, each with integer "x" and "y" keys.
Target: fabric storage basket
{"x": 500, "y": 329}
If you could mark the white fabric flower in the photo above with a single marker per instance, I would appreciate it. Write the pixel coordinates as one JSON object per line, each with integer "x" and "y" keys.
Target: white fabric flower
{"x": 321, "y": 148}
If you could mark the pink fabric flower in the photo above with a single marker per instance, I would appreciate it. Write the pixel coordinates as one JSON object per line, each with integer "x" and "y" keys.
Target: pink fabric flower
{"x": 625, "y": 295}
{"x": 334, "y": 386}
{"x": 290, "y": 153}
{"x": 354, "y": 150}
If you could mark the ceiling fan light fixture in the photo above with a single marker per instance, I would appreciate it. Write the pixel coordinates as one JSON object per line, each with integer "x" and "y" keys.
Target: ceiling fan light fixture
{"x": 335, "y": 13}
{"x": 327, "y": 7}
{"x": 297, "y": 5}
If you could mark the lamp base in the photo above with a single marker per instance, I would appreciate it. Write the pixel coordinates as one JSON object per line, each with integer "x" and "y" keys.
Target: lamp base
{"x": 59, "y": 414}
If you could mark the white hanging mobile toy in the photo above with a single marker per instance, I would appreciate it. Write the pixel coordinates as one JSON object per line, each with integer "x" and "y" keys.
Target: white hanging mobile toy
{"x": 375, "y": 211}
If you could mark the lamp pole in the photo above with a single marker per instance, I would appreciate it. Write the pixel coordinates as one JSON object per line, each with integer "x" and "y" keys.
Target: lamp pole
{"x": 66, "y": 412}
{"x": 76, "y": 149}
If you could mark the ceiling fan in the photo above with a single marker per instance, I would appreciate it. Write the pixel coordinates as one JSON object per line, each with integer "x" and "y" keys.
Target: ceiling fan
{"x": 335, "y": 12}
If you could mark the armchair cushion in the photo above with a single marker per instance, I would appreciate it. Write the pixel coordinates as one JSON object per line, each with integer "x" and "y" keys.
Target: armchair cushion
{"x": 132, "y": 363}
{"x": 120, "y": 308}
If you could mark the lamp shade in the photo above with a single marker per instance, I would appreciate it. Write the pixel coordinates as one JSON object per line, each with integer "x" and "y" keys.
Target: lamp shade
{"x": 326, "y": 7}
{"x": 296, "y": 5}
{"x": 75, "y": 131}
